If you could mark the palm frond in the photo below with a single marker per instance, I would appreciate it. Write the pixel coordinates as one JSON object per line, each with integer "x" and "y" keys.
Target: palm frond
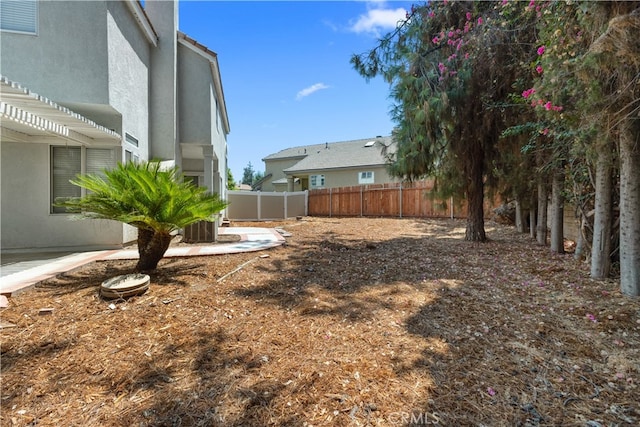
{"x": 144, "y": 196}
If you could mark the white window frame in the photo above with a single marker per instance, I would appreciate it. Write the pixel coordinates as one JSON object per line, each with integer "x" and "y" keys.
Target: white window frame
{"x": 90, "y": 162}
{"x": 21, "y": 19}
{"x": 313, "y": 181}
{"x": 366, "y": 177}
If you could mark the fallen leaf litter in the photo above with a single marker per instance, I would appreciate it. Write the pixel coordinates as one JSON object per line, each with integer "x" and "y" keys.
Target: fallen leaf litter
{"x": 354, "y": 321}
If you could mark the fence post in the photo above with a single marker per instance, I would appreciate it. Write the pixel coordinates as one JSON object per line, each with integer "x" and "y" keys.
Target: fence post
{"x": 400, "y": 196}
{"x": 361, "y": 202}
{"x": 285, "y": 205}
{"x": 259, "y": 206}
{"x": 306, "y": 202}
{"x": 451, "y": 206}
{"x": 330, "y": 202}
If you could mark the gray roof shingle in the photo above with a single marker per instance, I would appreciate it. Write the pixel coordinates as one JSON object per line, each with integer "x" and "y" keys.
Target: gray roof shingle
{"x": 335, "y": 155}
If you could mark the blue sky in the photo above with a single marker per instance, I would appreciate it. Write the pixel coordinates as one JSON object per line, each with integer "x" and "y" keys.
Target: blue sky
{"x": 286, "y": 74}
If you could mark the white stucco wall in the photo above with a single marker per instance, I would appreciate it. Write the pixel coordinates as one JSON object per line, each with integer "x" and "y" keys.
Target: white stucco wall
{"x": 66, "y": 60}
{"x": 98, "y": 67}
{"x": 129, "y": 58}
{"x": 25, "y": 211}
{"x": 199, "y": 120}
{"x": 163, "y": 92}
{"x": 195, "y": 88}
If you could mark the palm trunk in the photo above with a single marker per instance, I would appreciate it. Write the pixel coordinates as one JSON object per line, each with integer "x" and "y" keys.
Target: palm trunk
{"x": 152, "y": 246}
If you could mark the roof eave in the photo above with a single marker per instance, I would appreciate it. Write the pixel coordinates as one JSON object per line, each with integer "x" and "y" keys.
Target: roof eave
{"x": 143, "y": 21}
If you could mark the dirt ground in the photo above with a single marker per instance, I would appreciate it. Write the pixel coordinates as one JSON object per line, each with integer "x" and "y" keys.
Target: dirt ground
{"x": 353, "y": 322}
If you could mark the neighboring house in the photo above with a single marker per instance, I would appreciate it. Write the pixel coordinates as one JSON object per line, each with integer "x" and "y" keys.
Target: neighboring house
{"x": 328, "y": 165}
{"x": 85, "y": 85}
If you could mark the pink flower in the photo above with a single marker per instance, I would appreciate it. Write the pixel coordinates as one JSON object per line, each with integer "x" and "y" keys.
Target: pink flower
{"x": 504, "y": 2}
{"x": 545, "y": 131}
{"x": 451, "y": 34}
{"x": 491, "y": 391}
{"x": 435, "y": 40}
{"x": 468, "y": 16}
{"x": 527, "y": 93}
{"x": 539, "y": 69}
{"x": 592, "y": 317}
{"x": 432, "y": 14}
{"x": 547, "y": 106}
{"x": 480, "y": 21}
{"x": 532, "y": 3}
{"x": 541, "y": 50}
{"x": 556, "y": 108}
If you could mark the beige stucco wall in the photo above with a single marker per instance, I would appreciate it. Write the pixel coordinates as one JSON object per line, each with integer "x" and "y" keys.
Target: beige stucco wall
{"x": 275, "y": 168}
{"x": 335, "y": 177}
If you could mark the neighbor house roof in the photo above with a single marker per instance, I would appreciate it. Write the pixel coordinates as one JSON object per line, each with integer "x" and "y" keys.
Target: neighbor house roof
{"x": 27, "y": 116}
{"x": 336, "y": 155}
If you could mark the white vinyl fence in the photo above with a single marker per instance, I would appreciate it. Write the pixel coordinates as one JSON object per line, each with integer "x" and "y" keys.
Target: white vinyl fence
{"x": 260, "y": 206}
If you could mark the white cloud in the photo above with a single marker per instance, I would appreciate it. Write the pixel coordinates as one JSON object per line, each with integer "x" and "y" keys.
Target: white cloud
{"x": 311, "y": 89}
{"x": 378, "y": 19}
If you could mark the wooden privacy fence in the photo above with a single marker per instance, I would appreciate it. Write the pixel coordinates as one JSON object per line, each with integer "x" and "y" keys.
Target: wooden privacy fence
{"x": 259, "y": 206}
{"x": 387, "y": 200}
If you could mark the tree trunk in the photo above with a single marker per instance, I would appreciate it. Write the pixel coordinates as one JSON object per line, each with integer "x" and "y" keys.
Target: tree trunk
{"x": 521, "y": 214}
{"x": 629, "y": 208}
{"x": 152, "y": 246}
{"x": 580, "y": 244}
{"x": 475, "y": 197}
{"x": 532, "y": 216}
{"x": 541, "y": 230}
{"x": 601, "y": 243}
{"x": 557, "y": 218}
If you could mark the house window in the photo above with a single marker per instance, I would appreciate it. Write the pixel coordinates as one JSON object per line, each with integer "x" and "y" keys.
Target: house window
{"x": 19, "y": 16}
{"x": 68, "y": 162}
{"x": 316, "y": 181}
{"x": 131, "y": 139}
{"x": 128, "y": 156}
{"x": 365, "y": 177}
{"x": 193, "y": 179}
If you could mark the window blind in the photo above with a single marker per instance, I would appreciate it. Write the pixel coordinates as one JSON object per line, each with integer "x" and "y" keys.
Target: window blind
{"x": 18, "y": 15}
{"x": 66, "y": 163}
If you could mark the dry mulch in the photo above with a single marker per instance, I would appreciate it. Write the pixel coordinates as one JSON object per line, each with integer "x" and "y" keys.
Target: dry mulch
{"x": 352, "y": 322}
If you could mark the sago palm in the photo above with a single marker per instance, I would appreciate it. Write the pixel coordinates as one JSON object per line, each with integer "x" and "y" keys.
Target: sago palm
{"x": 156, "y": 201}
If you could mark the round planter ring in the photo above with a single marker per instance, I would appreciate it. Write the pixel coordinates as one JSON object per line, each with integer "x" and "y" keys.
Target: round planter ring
{"x": 124, "y": 286}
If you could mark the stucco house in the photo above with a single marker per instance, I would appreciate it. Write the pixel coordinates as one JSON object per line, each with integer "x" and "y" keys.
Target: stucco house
{"x": 85, "y": 85}
{"x": 328, "y": 165}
